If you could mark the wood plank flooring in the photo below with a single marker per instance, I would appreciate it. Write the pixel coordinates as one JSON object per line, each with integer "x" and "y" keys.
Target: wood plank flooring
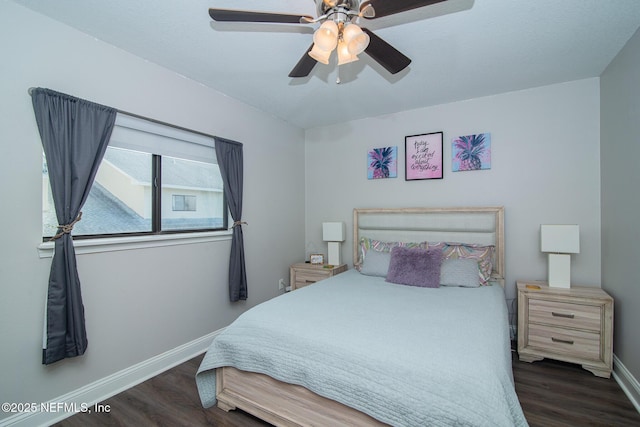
{"x": 558, "y": 394}
{"x": 552, "y": 394}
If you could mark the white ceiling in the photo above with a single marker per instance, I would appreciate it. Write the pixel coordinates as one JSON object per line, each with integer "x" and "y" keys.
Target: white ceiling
{"x": 461, "y": 49}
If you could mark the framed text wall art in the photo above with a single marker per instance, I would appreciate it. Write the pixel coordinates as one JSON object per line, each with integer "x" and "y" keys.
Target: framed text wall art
{"x": 423, "y": 156}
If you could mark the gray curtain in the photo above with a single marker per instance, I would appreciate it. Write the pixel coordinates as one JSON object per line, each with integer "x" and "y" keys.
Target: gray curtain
{"x": 229, "y": 155}
{"x": 75, "y": 134}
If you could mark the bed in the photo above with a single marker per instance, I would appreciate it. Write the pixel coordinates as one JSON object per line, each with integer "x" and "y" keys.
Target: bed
{"x": 358, "y": 350}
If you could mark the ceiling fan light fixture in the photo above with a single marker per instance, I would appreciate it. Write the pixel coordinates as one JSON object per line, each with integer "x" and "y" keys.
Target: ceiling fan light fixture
{"x": 320, "y": 55}
{"x": 326, "y": 37}
{"x": 337, "y": 28}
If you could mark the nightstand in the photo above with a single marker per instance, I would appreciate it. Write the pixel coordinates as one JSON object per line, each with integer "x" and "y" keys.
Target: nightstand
{"x": 573, "y": 325}
{"x": 303, "y": 273}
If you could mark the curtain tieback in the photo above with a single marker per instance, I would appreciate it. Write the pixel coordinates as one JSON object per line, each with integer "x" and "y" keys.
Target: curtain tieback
{"x": 238, "y": 223}
{"x": 67, "y": 228}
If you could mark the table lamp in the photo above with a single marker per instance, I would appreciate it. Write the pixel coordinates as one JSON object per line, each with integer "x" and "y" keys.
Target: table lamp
{"x": 334, "y": 233}
{"x": 560, "y": 241}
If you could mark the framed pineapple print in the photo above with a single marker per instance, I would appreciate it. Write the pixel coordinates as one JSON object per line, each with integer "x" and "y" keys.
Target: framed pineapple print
{"x": 471, "y": 152}
{"x": 423, "y": 156}
{"x": 382, "y": 163}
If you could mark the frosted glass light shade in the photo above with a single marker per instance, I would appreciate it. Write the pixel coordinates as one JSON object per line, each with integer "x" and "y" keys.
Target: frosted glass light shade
{"x": 344, "y": 56}
{"x": 356, "y": 39}
{"x": 326, "y": 37}
{"x": 334, "y": 231}
{"x": 350, "y": 31}
{"x": 319, "y": 54}
{"x": 562, "y": 239}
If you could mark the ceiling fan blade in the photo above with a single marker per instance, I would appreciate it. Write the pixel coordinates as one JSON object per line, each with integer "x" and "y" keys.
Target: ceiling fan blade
{"x": 386, "y": 55}
{"x": 229, "y": 15}
{"x": 304, "y": 66}
{"x": 388, "y": 7}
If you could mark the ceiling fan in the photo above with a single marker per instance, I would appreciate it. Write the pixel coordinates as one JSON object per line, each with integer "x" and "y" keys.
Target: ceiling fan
{"x": 338, "y": 31}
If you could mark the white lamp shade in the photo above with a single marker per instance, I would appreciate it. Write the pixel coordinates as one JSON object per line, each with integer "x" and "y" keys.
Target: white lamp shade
{"x": 562, "y": 239}
{"x": 320, "y": 55}
{"x": 334, "y": 231}
{"x": 326, "y": 37}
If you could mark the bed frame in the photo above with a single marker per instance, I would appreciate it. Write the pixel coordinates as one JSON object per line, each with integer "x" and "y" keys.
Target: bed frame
{"x": 284, "y": 404}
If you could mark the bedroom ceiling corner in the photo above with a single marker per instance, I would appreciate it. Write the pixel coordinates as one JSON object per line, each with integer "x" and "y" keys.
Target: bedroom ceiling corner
{"x": 459, "y": 49}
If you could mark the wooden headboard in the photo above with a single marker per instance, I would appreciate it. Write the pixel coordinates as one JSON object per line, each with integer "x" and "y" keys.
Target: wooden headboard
{"x": 480, "y": 225}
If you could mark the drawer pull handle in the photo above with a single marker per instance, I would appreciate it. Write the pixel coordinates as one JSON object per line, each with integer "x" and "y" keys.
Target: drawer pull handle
{"x": 570, "y": 342}
{"x": 568, "y": 316}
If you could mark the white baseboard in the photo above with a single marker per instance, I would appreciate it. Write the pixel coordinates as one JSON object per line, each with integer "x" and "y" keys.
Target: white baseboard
{"x": 628, "y": 383}
{"x": 96, "y": 392}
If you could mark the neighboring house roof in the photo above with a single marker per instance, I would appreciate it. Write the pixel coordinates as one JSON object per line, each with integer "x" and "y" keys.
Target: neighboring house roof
{"x": 103, "y": 213}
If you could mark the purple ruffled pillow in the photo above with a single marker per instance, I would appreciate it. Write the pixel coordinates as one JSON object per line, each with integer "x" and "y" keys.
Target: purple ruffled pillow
{"x": 415, "y": 267}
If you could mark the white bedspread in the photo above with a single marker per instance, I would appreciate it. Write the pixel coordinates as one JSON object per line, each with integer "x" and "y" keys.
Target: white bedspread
{"x": 406, "y": 356}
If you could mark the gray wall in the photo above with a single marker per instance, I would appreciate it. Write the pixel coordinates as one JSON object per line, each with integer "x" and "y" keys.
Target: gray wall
{"x": 545, "y": 169}
{"x": 138, "y": 303}
{"x": 548, "y": 151}
{"x": 620, "y": 151}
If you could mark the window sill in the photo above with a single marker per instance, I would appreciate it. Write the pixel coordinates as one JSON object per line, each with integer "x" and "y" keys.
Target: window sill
{"x": 109, "y": 244}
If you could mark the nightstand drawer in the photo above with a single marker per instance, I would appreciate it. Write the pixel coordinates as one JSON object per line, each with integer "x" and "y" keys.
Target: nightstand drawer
{"x": 565, "y": 314}
{"x": 303, "y": 273}
{"x": 563, "y": 341}
{"x": 308, "y": 276}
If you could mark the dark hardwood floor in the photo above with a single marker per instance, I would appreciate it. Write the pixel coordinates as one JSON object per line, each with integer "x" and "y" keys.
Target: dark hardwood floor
{"x": 557, "y": 394}
{"x": 552, "y": 394}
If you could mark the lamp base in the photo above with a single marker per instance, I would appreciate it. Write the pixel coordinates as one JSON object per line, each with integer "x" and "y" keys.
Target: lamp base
{"x": 334, "y": 253}
{"x": 559, "y": 271}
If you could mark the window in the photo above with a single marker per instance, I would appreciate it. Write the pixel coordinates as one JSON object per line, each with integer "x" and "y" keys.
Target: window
{"x": 153, "y": 179}
{"x": 182, "y": 202}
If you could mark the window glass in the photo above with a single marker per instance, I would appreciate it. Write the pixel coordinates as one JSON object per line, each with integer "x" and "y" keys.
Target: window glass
{"x": 192, "y": 196}
{"x": 182, "y": 192}
{"x": 119, "y": 200}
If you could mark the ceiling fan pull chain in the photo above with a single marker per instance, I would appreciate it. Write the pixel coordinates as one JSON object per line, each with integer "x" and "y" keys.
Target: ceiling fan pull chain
{"x": 338, "y": 78}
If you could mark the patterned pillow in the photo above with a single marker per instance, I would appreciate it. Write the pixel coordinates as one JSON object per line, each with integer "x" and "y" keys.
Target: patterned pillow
{"x": 367, "y": 244}
{"x": 483, "y": 254}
